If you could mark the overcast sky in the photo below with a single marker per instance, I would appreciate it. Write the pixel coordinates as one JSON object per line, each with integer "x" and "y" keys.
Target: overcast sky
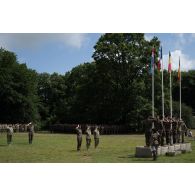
{"x": 61, "y": 52}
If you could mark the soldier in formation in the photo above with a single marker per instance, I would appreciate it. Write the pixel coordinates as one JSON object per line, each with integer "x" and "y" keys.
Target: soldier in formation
{"x": 96, "y": 134}
{"x": 88, "y": 136}
{"x": 79, "y": 137}
{"x": 11, "y": 128}
{"x": 147, "y": 126}
{"x": 88, "y": 131}
{"x": 172, "y": 130}
{"x": 154, "y": 142}
{"x": 10, "y": 132}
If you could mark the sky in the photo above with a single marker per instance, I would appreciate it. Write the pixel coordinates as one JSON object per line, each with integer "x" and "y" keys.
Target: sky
{"x": 49, "y": 52}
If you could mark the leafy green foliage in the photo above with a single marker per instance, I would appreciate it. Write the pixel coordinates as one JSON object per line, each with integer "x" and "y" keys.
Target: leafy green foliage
{"x": 18, "y": 99}
{"x": 114, "y": 89}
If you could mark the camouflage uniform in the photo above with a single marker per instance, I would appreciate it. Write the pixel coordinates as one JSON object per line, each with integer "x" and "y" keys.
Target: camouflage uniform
{"x": 30, "y": 128}
{"x": 154, "y": 142}
{"x": 96, "y": 134}
{"x": 147, "y": 127}
{"x": 174, "y": 129}
{"x": 79, "y": 137}
{"x": 184, "y": 129}
{"x": 159, "y": 126}
{"x": 88, "y": 137}
{"x": 167, "y": 126}
{"x": 10, "y": 132}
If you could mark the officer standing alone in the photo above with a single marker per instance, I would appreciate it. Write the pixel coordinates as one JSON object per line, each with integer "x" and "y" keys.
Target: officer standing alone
{"x": 30, "y": 128}
{"x": 79, "y": 137}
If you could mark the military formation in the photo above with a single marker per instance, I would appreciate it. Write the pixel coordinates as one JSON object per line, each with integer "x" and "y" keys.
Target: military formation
{"x": 161, "y": 132}
{"x": 11, "y": 128}
{"x": 88, "y": 133}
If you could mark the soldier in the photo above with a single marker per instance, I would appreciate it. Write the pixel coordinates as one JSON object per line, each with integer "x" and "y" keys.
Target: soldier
{"x": 147, "y": 127}
{"x": 10, "y": 132}
{"x": 184, "y": 129}
{"x": 96, "y": 134}
{"x": 79, "y": 137}
{"x": 154, "y": 142}
{"x": 167, "y": 125}
{"x": 30, "y": 128}
{"x": 174, "y": 130}
{"x": 17, "y": 127}
{"x": 88, "y": 137}
{"x": 159, "y": 126}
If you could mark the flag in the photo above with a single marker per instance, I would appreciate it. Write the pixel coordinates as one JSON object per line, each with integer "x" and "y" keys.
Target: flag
{"x": 159, "y": 58}
{"x": 152, "y": 61}
{"x": 169, "y": 66}
{"x": 179, "y": 73}
{"x": 151, "y": 65}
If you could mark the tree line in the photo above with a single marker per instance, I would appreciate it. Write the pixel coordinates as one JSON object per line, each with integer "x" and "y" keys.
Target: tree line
{"x": 113, "y": 89}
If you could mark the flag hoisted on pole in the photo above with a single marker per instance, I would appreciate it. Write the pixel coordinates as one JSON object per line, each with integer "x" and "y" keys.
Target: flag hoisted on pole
{"x": 152, "y": 66}
{"x": 179, "y": 78}
{"x": 160, "y": 66}
{"x": 169, "y": 70}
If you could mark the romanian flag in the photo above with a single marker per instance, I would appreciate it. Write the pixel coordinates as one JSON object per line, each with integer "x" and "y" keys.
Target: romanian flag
{"x": 169, "y": 66}
{"x": 179, "y": 72}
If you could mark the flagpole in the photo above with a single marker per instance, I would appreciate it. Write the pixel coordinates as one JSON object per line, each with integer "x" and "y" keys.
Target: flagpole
{"x": 152, "y": 63}
{"x": 163, "y": 109}
{"x": 171, "y": 108}
{"x": 180, "y": 89}
{"x": 153, "y": 94}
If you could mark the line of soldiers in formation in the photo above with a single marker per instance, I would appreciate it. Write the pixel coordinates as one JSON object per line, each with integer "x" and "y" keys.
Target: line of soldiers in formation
{"x": 96, "y": 134}
{"x": 167, "y": 131}
{"x": 10, "y": 128}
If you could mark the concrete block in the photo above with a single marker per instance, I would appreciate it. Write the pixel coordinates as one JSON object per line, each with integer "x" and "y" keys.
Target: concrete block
{"x": 183, "y": 146}
{"x": 177, "y": 147}
{"x": 143, "y": 152}
{"x": 164, "y": 150}
{"x": 188, "y": 147}
{"x": 171, "y": 148}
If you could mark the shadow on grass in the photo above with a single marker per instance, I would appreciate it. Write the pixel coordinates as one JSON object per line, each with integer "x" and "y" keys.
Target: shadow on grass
{"x": 134, "y": 159}
{"x": 3, "y": 145}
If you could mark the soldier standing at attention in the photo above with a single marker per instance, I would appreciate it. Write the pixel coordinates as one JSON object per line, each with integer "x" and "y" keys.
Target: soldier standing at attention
{"x": 184, "y": 130}
{"x": 79, "y": 137}
{"x": 30, "y": 128}
{"x": 88, "y": 137}
{"x": 174, "y": 128}
{"x": 147, "y": 127}
{"x": 10, "y": 132}
{"x": 96, "y": 134}
{"x": 154, "y": 142}
{"x": 167, "y": 130}
{"x": 158, "y": 124}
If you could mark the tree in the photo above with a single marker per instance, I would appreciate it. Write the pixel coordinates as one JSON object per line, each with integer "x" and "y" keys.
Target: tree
{"x": 121, "y": 63}
{"x": 18, "y": 95}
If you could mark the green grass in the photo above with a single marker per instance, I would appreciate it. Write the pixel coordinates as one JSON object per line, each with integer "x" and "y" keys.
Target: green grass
{"x": 62, "y": 148}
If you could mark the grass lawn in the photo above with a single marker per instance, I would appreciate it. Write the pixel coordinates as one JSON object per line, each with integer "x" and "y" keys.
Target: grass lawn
{"x": 62, "y": 148}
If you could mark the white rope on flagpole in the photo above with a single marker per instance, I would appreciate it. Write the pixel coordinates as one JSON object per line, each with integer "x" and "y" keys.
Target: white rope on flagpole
{"x": 153, "y": 93}
{"x": 163, "y": 108}
{"x": 171, "y": 106}
{"x": 180, "y": 88}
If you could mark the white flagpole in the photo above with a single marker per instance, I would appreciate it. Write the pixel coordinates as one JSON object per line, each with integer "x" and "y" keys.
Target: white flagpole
{"x": 180, "y": 88}
{"x": 163, "y": 108}
{"x": 171, "y": 108}
{"x": 153, "y": 93}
